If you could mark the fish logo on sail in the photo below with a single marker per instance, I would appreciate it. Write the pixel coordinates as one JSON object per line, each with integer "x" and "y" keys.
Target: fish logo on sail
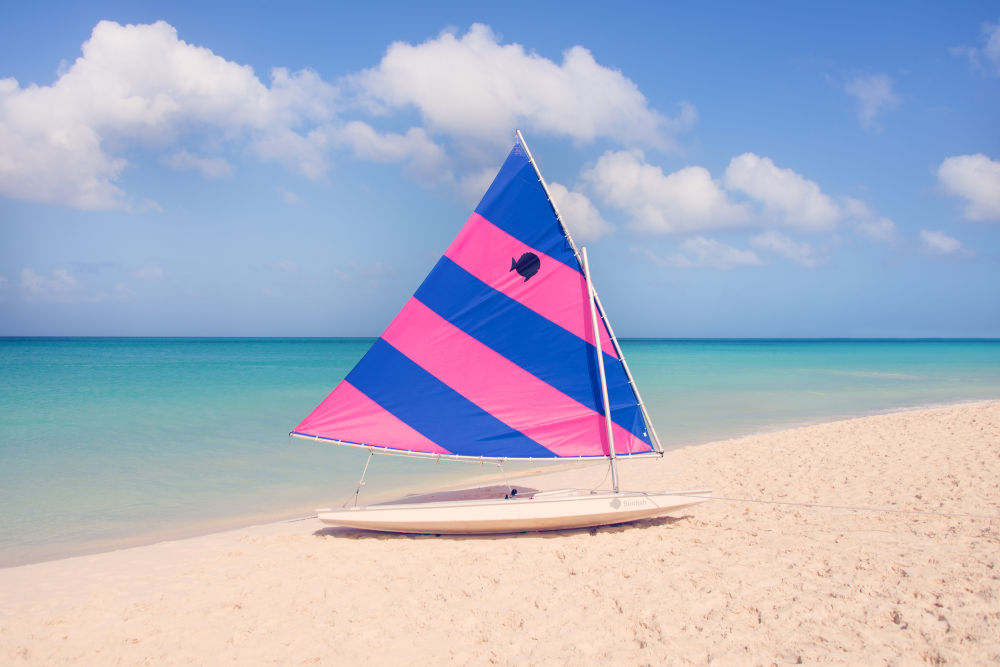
{"x": 526, "y": 266}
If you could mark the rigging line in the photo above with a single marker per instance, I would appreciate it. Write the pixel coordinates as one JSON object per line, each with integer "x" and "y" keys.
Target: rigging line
{"x": 601, "y": 483}
{"x": 854, "y": 508}
{"x": 504, "y": 473}
{"x": 361, "y": 482}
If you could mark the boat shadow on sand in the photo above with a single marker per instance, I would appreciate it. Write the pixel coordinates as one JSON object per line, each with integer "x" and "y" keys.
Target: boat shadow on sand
{"x": 498, "y": 491}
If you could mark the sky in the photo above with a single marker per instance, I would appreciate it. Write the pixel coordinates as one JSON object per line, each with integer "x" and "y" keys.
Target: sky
{"x": 780, "y": 169}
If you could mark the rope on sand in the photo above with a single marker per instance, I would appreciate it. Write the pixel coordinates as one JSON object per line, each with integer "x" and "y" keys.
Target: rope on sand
{"x": 854, "y": 508}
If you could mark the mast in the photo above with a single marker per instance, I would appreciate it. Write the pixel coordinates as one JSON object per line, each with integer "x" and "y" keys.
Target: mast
{"x": 600, "y": 308}
{"x": 591, "y": 294}
{"x": 628, "y": 373}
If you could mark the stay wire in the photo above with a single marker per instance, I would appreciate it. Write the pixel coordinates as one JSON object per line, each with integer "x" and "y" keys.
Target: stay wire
{"x": 853, "y": 508}
{"x": 601, "y": 483}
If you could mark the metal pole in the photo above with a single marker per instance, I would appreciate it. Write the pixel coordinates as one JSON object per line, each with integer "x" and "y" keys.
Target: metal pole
{"x": 628, "y": 374}
{"x": 600, "y": 367}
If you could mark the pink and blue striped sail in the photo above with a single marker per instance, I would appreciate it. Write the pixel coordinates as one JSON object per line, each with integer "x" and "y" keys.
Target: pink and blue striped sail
{"x": 495, "y": 356}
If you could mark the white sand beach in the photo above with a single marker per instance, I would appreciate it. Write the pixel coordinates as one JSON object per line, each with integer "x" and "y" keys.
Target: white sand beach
{"x": 868, "y": 541}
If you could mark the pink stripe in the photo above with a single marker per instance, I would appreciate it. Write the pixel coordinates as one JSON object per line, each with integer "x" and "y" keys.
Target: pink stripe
{"x": 349, "y": 415}
{"x": 556, "y": 292}
{"x": 501, "y": 387}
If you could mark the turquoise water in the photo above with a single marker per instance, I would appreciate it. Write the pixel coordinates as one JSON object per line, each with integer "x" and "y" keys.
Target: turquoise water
{"x": 109, "y": 442}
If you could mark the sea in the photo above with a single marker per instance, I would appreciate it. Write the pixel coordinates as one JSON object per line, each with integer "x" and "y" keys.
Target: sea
{"x": 107, "y": 443}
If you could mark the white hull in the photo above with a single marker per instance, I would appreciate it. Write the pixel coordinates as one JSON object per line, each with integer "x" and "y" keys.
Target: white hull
{"x": 553, "y": 510}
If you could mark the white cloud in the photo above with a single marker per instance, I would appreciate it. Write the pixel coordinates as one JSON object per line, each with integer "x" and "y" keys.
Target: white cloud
{"x": 424, "y": 159}
{"x": 976, "y": 179}
{"x": 779, "y": 244}
{"x": 940, "y": 243}
{"x": 579, "y": 213}
{"x": 210, "y": 167}
{"x": 60, "y": 286}
{"x": 686, "y": 200}
{"x": 474, "y": 185}
{"x": 140, "y": 83}
{"x": 699, "y": 252}
{"x": 855, "y": 208}
{"x": 66, "y": 287}
{"x": 691, "y": 200}
{"x": 878, "y": 229}
{"x": 367, "y": 143}
{"x": 874, "y": 94}
{"x": 988, "y": 52}
{"x": 991, "y": 50}
{"x": 151, "y": 272}
{"x": 799, "y": 201}
{"x": 304, "y": 153}
{"x": 475, "y": 87}
{"x": 867, "y": 222}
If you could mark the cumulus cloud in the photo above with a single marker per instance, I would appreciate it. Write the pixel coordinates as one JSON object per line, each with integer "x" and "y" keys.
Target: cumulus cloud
{"x": 475, "y": 87}
{"x": 210, "y": 167}
{"x": 142, "y": 87}
{"x": 60, "y": 285}
{"x": 141, "y": 83}
{"x": 579, "y": 213}
{"x": 987, "y": 56}
{"x": 976, "y": 179}
{"x": 797, "y": 201}
{"x": 799, "y": 252}
{"x": 690, "y": 199}
{"x": 424, "y": 159}
{"x": 473, "y": 185}
{"x": 82, "y": 285}
{"x": 878, "y": 229}
{"x": 699, "y": 252}
{"x": 939, "y": 243}
{"x": 869, "y": 223}
{"x": 686, "y": 200}
{"x": 874, "y": 94}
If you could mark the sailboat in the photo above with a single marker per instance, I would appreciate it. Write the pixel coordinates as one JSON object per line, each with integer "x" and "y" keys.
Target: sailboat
{"x": 504, "y": 353}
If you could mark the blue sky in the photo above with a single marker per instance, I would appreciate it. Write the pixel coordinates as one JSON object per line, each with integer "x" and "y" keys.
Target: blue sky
{"x": 295, "y": 169}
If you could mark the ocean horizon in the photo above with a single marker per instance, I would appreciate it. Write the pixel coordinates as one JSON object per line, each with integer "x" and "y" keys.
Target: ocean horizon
{"x": 109, "y": 442}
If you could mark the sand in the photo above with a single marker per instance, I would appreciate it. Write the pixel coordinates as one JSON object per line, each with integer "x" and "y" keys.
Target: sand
{"x": 873, "y": 540}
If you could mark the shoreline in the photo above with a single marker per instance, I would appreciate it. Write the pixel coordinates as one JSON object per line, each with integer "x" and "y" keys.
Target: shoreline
{"x": 227, "y": 524}
{"x": 873, "y": 539}
{"x": 840, "y": 417}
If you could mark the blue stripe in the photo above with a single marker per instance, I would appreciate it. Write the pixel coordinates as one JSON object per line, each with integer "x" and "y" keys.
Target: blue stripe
{"x": 436, "y": 410}
{"x": 531, "y": 341}
{"x": 516, "y": 203}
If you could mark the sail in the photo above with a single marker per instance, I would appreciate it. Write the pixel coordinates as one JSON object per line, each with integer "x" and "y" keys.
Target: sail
{"x": 494, "y": 356}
